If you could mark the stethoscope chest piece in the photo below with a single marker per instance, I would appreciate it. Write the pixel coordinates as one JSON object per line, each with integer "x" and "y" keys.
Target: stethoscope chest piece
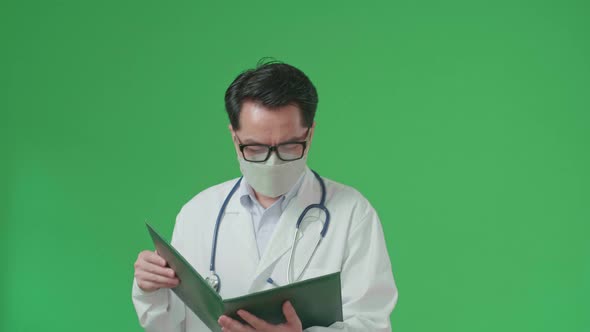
{"x": 213, "y": 280}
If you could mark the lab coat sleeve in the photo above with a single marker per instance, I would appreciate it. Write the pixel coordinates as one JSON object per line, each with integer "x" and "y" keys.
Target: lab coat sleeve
{"x": 369, "y": 293}
{"x": 160, "y": 310}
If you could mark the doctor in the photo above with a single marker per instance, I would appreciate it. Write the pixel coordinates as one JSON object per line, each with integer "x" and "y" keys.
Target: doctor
{"x": 253, "y": 234}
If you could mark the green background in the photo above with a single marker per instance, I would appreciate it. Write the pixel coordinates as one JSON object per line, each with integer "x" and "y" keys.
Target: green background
{"x": 465, "y": 123}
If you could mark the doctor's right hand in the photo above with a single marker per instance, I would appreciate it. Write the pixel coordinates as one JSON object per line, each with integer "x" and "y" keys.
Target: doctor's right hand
{"x": 151, "y": 272}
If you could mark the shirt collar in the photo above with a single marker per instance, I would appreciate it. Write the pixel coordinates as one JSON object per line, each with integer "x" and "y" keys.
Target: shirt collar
{"x": 248, "y": 198}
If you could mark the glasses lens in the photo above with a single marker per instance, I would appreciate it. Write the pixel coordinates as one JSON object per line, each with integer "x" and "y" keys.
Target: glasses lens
{"x": 255, "y": 152}
{"x": 290, "y": 151}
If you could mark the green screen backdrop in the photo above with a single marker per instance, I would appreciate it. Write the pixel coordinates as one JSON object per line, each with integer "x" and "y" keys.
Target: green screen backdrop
{"x": 465, "y": 123}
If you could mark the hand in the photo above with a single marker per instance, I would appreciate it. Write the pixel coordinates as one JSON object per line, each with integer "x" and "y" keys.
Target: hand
{"x": 293, "y": 323}
{"x": 151, "y": 272}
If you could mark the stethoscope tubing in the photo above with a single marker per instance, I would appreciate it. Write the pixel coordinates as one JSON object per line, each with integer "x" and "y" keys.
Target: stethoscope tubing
{"x": 321, "y": 205}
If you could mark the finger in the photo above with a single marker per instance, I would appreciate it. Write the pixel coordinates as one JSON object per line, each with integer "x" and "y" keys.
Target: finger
{"x": 166, "y": 282}
{"x": 147, "y": 286}
{"x": 156, "y": 285}
{"x": 254, "y": 321}
{"x": 153, "y": 257}
{"x": 232, "y": 325}
{"x": 156, "y": 269}
{"x": 290, "y": 314}
{"x": 157, "y": 279}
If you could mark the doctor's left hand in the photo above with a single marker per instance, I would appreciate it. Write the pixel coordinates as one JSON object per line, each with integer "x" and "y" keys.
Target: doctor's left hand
{"x": 293, "y": 324}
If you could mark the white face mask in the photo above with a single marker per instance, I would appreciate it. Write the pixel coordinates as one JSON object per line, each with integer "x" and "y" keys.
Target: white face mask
{"x": 273, "y": 177}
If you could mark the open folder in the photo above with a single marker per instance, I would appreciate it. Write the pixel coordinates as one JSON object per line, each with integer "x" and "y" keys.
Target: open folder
{"x": 317, "y": 301}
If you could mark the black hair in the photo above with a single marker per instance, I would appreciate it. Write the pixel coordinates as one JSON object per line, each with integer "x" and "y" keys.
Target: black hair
{"x": 273, "y": 84}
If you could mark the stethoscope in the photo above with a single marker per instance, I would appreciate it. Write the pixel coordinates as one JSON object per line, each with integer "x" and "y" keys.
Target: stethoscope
{"x": 213, "y": 278}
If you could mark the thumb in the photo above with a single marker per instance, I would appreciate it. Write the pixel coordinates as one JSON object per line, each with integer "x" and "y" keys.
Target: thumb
{"x": 290, "y": 314}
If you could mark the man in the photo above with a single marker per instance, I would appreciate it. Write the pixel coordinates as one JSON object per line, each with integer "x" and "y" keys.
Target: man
{"x": 271, "y": 110}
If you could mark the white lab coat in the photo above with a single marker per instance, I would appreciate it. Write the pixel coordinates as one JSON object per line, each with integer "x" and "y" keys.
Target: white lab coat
{"x": 354, "y": 244}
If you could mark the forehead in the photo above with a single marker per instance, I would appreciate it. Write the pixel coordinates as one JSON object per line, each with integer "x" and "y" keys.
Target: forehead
{"x": 264, "y": 124}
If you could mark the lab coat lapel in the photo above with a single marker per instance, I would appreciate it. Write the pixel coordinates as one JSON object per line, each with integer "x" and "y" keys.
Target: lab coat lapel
{"x": 282, "y": 238}
{"x": 237, "y": 222}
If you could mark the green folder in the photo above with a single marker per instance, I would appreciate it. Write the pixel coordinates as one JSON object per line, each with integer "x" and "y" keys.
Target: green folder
{"x": 317, "y": 301}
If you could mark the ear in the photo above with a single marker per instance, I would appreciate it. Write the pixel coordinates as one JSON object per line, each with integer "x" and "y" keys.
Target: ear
{"x": 311, "y": 131}
{"x": 232, "y": 132}
{"x": 233, "y": 138}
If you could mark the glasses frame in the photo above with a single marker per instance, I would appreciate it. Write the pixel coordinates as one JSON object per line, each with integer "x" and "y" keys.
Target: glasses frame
{"x": 272, "y": 148}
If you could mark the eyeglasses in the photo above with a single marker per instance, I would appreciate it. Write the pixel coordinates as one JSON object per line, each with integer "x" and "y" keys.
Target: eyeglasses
{"x": 287, "y": 151}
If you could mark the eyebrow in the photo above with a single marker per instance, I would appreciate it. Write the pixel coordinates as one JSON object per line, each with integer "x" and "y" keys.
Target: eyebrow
{"x": 293, "y": 139}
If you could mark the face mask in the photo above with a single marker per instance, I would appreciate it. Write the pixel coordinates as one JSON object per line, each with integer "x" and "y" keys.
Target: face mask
{"x": 273, "y": 177}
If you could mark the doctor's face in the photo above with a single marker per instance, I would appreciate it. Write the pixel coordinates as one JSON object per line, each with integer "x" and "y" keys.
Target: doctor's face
{"x": 261, "y": 125}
